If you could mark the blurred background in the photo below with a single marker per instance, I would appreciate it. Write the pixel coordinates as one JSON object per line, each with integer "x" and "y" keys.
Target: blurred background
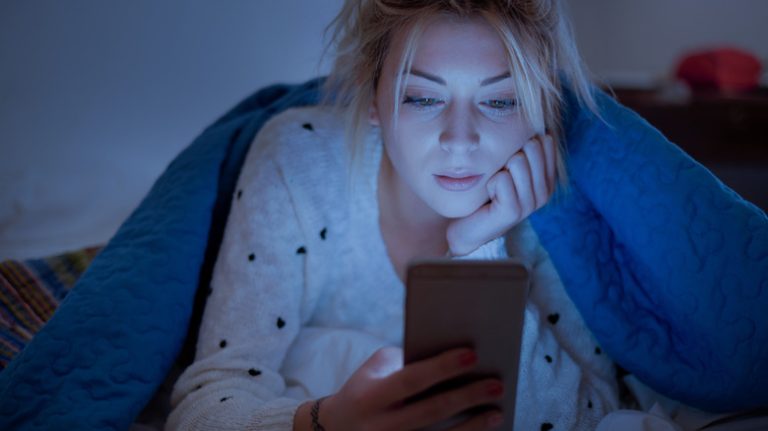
{"x": 96, "y": 97}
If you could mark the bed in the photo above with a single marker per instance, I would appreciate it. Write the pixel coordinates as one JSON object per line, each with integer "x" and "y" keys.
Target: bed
{"x": 677, "y": 278}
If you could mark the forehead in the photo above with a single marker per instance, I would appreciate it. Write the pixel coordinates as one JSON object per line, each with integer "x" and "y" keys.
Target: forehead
{"x": 450, "y": 44}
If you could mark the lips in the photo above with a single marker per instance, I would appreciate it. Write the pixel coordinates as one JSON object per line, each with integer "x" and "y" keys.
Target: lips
{"x": 457, "y": 182}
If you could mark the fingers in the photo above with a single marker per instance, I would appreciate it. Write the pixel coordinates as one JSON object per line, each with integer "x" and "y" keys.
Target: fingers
{"x": 418, "y": 376}
{"x": 533, "y": 171}
{"x": 534, "y": 152}
{"x": 550, "y": 158}
{"x": 501, "y": 190}
{"x": 519, "y": 169}
{"x": 447, "y": 404}
{"x": 523, "y": 185}
{"x": 384, "y": 362}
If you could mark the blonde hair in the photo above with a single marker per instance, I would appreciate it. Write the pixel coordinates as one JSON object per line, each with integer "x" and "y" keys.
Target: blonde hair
{"x": 536, "y": 33}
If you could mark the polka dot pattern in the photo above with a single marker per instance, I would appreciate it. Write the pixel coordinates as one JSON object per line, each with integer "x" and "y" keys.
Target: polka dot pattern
{"x": 553, "y": 318}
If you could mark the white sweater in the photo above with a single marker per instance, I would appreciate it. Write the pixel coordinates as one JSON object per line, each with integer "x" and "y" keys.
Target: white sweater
{"x": 303, "y": 291}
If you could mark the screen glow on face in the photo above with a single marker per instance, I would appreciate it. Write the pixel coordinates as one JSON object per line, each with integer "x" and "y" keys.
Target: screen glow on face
{"x": 458, "y": 119}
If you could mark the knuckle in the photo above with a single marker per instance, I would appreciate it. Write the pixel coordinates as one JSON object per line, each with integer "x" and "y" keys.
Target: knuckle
{"x": 385, "y": 352}
{"x": 505, "y": 179}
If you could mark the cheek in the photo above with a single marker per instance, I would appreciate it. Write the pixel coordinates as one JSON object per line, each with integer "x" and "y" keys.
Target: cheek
{"x": 410, "y": 142}
{"x": 400, "y": 154}
{"x": 506, "y": 142}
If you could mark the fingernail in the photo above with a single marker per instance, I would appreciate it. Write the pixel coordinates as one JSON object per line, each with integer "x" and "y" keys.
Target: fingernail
{"x": 467, "y": 359}
{"x": 495, "y": 389}
{"x": 495, "y": 420}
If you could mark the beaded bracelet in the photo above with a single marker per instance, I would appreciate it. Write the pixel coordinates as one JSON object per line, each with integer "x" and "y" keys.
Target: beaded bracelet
{"x": 315, "y": 413}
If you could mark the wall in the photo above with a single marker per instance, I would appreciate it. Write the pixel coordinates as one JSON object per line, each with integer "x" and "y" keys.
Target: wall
{"x": 637, "y": 42}
{"x": 97, "y": 97}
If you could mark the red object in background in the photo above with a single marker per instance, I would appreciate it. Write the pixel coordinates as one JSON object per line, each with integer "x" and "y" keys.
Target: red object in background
{"x": 727, "y": 69}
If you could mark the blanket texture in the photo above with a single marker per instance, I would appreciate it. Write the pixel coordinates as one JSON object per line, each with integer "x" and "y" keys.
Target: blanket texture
{"x": 30, "y": 291}
{"x": 667, "y": 265}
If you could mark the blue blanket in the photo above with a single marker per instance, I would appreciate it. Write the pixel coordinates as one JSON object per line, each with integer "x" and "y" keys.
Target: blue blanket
{"x": 667, "y": 265}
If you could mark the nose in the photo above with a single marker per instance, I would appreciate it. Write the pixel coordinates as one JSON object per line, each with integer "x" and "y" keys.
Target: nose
{"x": 459, "y": 133}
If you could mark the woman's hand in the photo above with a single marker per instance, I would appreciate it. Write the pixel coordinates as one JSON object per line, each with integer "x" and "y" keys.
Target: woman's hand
{"x": 373, "y": 397}
{"x": 524, "y": 185}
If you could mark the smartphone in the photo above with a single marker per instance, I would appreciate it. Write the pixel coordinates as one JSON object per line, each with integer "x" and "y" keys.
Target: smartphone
{"x": 468, "y": 303}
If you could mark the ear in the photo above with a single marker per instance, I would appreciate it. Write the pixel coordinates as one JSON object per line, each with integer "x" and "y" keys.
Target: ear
{"x": 373, "y": 114}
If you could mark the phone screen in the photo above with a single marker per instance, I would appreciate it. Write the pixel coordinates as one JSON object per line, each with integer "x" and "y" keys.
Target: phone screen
{"x": 465, "y": 303}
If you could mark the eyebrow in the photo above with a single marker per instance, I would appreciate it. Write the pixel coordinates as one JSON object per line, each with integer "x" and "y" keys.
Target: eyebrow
{"x": 441, "y": 81}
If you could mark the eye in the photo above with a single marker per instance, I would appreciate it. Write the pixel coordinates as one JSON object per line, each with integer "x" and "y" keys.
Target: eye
{"x": 422, "y": 103}
{"x": 500, "y": 104}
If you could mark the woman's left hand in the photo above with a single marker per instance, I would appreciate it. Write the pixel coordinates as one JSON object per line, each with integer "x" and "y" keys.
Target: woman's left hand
{"x": 522, "y": 186}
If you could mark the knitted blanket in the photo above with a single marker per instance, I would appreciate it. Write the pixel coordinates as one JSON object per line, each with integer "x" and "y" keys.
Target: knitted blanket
{"x": 667, "y": 265}
{"x": 30, "y": 291}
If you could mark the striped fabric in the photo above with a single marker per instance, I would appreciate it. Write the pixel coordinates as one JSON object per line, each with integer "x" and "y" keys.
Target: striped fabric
{"x": 30, "y": 291}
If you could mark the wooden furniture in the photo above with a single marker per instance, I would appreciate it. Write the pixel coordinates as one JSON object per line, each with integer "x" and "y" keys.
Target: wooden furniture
{"x": 727, "y": 133}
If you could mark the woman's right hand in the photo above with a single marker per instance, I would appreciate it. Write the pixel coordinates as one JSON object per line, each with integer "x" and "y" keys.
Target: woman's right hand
{"x": 373, "y": 398}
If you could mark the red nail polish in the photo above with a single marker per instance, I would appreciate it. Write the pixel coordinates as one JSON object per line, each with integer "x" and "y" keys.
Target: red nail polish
{"x": 467, "y": 359}
{"x": 495, "y": 389}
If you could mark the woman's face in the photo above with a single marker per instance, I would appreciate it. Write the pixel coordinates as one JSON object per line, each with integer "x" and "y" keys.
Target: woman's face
{"x": 458, "y": 122}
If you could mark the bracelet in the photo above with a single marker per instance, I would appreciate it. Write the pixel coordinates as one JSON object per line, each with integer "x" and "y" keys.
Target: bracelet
{"x": 315, "y": 413}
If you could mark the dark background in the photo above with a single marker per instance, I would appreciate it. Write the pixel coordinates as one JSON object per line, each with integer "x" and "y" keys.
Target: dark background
{"x": 97, "y": 97}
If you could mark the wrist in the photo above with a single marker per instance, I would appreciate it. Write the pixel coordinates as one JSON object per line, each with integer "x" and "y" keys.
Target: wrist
{"x": 457, "y": 246}
{"x": 312, "y": 415}
{"x": 316, "y": 423}
{"x": 458, "y": 250}
{"x": 302, "y": 420}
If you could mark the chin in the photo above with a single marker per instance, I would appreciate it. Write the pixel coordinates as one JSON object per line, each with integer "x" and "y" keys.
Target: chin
{"x": 457, "y": 207}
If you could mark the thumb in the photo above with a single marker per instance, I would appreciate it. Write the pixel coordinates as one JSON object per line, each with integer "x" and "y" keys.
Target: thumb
{"x": 384, "y": 362}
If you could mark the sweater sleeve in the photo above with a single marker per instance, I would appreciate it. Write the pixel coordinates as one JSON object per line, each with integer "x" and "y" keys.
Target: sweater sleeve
{"x": 494, "y": 249}
{"x": 252, "y": 314}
